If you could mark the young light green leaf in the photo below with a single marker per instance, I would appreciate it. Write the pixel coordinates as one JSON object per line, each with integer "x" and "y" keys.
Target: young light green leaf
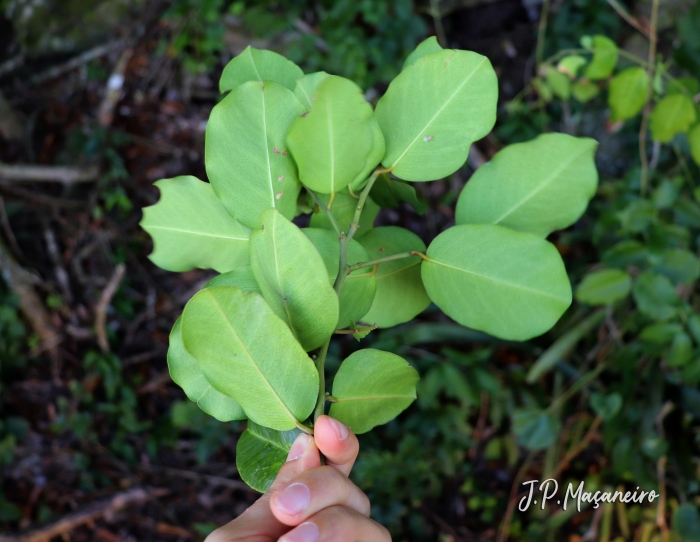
{"x": 571, "y": 64}
{"x": 245, "y": 151}
{"x": 389, "y": 193}
{"x": 604, "y": 287}
{"x": 358, "y": 291}
{"x": 293, "y": 279}
{"x": 510, "y": 284}
{"x": 559, "y": 83}
{"x": 694, "y": 142}
{"x": 425, "y": 47}
{"x": 604, "y": 57}
{"x": 305, "y": 88}
{"x": 254, "y": 357}
{"x": 655, "y": 296}
{"x": 372, "y": 388}
{"x": 584, "y": 91}
{"x": 451, "y": 96}
{"x": 538, "y": 186}
{"x": 190, "y": 228}
{"x": 259, "y": 65}
{"x": 333, "y": 141}
{"x": 186, "y": 373}
{"x": 628, "y": 93}
{"x": 672, "y": 115}
{"x": 343, "y": 210}
{"x": 261, "y": 452}
{"x": 400, "y": 295}
{"x": 242, "y": 278}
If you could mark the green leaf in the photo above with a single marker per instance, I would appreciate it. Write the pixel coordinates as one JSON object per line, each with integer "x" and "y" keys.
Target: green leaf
{"x": 510, "y": 284}
{"x": 672, "y": 115}
{"x": 242, "y": 277}
{"x": 400, "y": 295}
{"x": 338, "y": 140}
{"x": 606, "y": 406}
{"x": 626, "y": 253}
{"x": 637, "y": 216}
{"x": 343, "y": 210}
{"x": 559, "y": 83}
{"x": 604, "y": 287}
{"x": 293, "y": 279}
{"x": 248, "y": 353}
{"x": 655, "y": 296}
{"x": 536, "y": 429}
{"x": 571, "y": 64}
{"x": 604, "y": 58}
{"x": 451, "y": 96}
{"x": 245, "y": 151}
{"x": 584, "y": 91}
{"x": 694, "y": 142}
{"x": 305, "y": 88}
{"x": 186, "y": 373}
{"x": 358, "y": 291}
{"x": 681, "y": 351}
{"x": 259, "y": 65}
{"x": 190, "y": 228}
{"x": 372, "y": 388}
{"x": 261, "y": 452}
{"x": 683, "y": 85}
{"x": 563, "y": 346}
{"x": 686, "y": 522}
{"x": 425, "y": 47}
{"x": 660, "y": 332}
{"x": 538, "y": 186}
{"x": 628, "y": 93}
{"x": 679, "y": 265}
{"x": 389, "y": 193}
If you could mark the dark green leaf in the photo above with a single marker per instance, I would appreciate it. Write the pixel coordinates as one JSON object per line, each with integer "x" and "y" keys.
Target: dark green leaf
{"x": 655, "y": 296}
{"x": 604, "y": 287}
{"x": 535, "y": 428}
{"x": 389, "y": 193}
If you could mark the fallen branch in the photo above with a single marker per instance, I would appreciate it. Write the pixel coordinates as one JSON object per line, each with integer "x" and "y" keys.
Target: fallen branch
{"x": 22, "y": 284}
{"x": 64, "y": 174}
{"x": 103, "y": 305}
{"x": 75, "y": 62}
{"x": 63, "y": 526}
{"x": 115, "y": 83}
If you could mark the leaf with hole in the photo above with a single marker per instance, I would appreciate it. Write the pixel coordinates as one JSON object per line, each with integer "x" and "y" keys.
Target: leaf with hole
{"x": 274, "y": 380}
{"x": 245, "y": 151}
{"x": 434, "y": 110}
{"x": 190, "y": 228}
{"x": 510, "y": 284}
{"x": 186, "y": 373}
{"x": 538, "y": 186}
{"x": 261, "y": 452}
{"x": 293, "y": 279}
{"x": 371, "y": 388}
{"x": 259, "y": 65}
{"x": 400, "y": 295}
{"x": 337, "y": 139}
{"x": 358, "y": 291}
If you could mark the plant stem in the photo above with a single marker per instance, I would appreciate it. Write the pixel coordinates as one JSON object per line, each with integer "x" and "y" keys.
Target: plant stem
{"x": 399, "y": 256}
{"x": 320, "y": 367}
{"x": 360, "y": 329}
{"x": 318, "y": 201}
{"x": 644, "y": 174}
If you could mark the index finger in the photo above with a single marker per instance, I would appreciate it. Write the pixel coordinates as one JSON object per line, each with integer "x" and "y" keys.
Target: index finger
{"x": 337, "y": 443}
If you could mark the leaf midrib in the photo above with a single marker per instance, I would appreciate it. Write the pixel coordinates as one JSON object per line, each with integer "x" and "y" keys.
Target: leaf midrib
{"x": 442, "y": 108}
{"x": 372, "y": 398}
{"x": 510, "y": 284}
{"x": 279, "y": 278}
{"x": 542, "y": 185}
{"x": 276, "y": 444}
{"x": 250, "y": 357}
{"x": 195, "y": 233}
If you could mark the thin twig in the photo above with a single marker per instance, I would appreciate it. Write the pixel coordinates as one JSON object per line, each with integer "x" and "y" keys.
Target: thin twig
{"x": 644, "y": 174}
{"x": 437, "y": 21}
{"x": 661, "y": 475}
{"x": 64, "y": 526}
{"x": 35, "y": 173}
{"x": 103, "y": 305}
{"x": 541, "y": 32}
{"x": 76, "y": 62}
{"x": 115, "y": 83}
{"x": 321, "y": 204}
{"x": 627, "y": 17}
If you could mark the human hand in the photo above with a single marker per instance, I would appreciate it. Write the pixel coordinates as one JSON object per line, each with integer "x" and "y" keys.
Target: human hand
{"x": 308, "y": 502}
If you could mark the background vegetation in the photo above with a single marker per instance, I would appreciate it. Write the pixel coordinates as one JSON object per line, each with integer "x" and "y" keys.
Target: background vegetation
{"x": 98, "y": 99}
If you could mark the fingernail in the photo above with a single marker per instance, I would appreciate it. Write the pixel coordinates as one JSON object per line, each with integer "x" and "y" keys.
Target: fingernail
{"x": 306, "y": 532}
{"x": 292, "y": 499}
{"x": 299, "y": 447}
{"x": 340, "y": 429}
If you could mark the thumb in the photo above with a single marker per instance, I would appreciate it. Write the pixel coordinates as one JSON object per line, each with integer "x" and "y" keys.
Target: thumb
{"x": 303, "y": 455}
